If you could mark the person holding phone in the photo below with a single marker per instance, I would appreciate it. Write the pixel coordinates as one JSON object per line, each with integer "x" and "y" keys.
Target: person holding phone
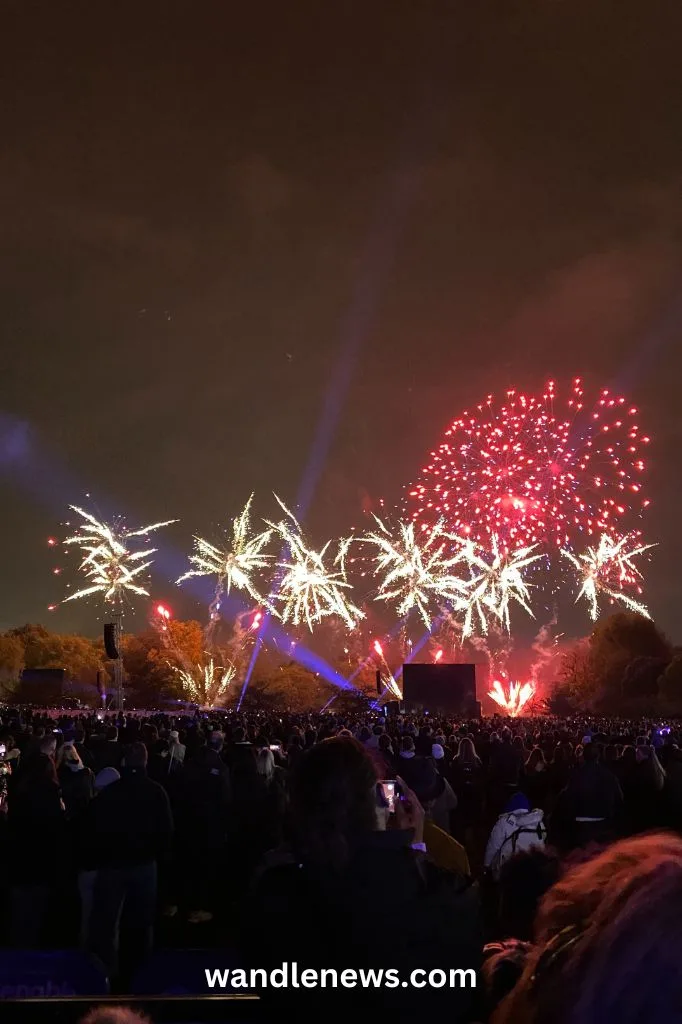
{"x": 355, "y": 887}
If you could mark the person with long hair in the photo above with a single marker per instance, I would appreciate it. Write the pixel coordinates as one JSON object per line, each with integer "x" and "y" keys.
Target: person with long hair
{"x": 560, "y": 767}
{"x": 536, "y": 779}
{"x": 607, "y": 941}
{"x": 76, "y": 781}
{"x": 467, "y": 778}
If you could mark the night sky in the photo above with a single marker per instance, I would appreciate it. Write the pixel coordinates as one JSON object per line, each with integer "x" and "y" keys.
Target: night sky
{"x": 223, "y": 224}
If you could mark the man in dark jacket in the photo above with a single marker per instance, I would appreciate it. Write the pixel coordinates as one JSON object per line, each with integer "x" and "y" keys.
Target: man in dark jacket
{"x": 589, "y": 808}
{"x": 126, "y": 831}
{"x": 109, "y": 752}
{"x": 202, "y": 830}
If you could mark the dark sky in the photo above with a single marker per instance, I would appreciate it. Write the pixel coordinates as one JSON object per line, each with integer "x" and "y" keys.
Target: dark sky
{"x": 211, "y": 211}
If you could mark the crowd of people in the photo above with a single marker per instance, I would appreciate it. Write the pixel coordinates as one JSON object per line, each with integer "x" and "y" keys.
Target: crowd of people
{"x": 541, "y": 853}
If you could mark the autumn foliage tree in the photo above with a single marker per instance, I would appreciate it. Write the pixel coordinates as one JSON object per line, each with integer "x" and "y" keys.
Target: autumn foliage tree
{"x": 292, "y": 686}
{"x": 151, "y": 658}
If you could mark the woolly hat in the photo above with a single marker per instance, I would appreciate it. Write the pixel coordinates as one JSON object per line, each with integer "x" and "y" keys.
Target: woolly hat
{"x": 517, "y": 802}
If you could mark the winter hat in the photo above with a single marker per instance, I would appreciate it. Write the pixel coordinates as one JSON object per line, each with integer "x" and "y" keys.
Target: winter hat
{"x": 517, "y": 802}
{"x": 174, "y": 735}
{"x": 437, "y": 752}
{"x": 105, "y": 777}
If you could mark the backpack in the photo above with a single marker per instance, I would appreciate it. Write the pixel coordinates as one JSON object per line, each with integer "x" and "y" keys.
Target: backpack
{"x": 523, "y": 838}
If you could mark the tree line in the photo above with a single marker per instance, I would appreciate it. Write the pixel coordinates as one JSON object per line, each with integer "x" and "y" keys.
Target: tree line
{"x": 626, "y": 666}
{"x": 151, "y": 660}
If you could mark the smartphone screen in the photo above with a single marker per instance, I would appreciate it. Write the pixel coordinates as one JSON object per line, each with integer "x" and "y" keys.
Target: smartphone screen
{"x": 274, "y": 746}
{"x": 388, "y": 792}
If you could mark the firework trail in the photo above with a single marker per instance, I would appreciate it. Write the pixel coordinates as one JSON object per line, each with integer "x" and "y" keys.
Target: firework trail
{"x": 160, "y": 621}
{"x": 308, "y": 589}
{"x": 111, "y": 567}
{"x": 389, "y": 680}
{"x": 608, "y": 568}
{"x": 536, "y": 469}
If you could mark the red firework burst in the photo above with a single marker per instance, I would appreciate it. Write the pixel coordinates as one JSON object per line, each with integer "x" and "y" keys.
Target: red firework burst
{"x": 536, "y": 470}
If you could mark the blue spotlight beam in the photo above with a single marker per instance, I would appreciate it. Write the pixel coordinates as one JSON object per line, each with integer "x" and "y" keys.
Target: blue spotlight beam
{"x": 647, "y": 350}
{"x": 374, "y": 269}
{"x": 375, "y": 266}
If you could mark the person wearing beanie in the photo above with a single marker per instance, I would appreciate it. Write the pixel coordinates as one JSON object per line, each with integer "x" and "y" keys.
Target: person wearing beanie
{"x": 518, "y": 828}
{"x": 422, "y": 775}
{"x": 517, "y": 802}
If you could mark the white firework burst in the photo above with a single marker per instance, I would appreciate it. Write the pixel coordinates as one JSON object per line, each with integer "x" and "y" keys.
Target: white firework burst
{"x": 111, "y": 567}
{"x": 496, "y": 580}
{"x": 415, "y": 575}
{"x": 236, "y": 565}
{"x": 309, "y": 589}
{"x": 607, "y": 569}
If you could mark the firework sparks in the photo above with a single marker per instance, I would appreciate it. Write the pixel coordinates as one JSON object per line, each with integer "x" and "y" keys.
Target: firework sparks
{"x": 496, "y": 580}
{"x": 109, "y": 565}
{"x": 308, "y": 589}
{"x": 388, "y": 679}
{"x": 207, "y": 685}
{"x": 414, "y": 573}
{"x": 536, "y": 469}
{"x": 607, "y": 569}
{"x": 514, "y": 698}
{"x": 236, "y": 565}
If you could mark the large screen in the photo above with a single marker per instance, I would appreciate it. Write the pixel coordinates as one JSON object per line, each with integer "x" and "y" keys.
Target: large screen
{"x": 441, "y": 688}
